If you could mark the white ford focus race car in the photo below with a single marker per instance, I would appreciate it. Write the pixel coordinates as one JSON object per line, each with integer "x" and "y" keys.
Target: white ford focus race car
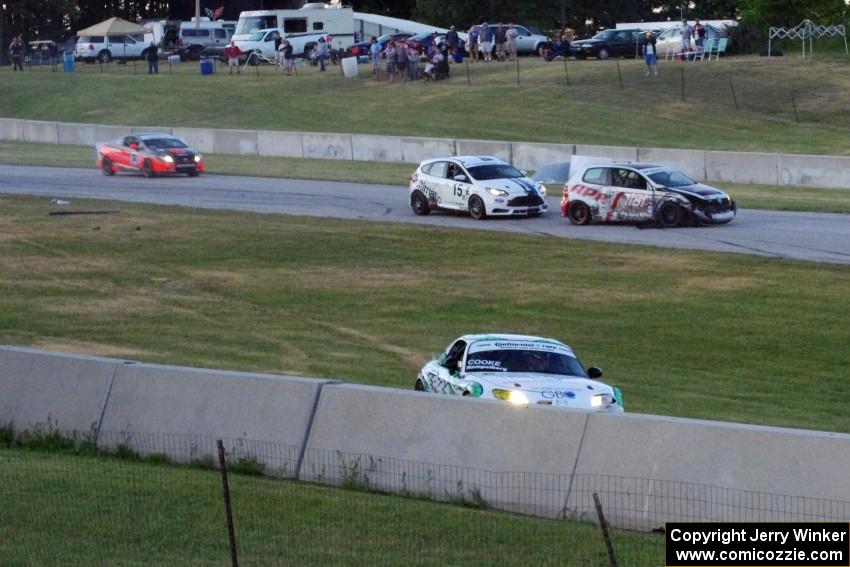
{"x": 483, "y": 186}
{"x": 518, "y": 369}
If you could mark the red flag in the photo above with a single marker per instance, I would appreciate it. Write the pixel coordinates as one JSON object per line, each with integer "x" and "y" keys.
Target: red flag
{"x": 218, "y": 12}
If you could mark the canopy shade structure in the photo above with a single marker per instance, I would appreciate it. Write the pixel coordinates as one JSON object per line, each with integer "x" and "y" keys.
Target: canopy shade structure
{"x": 114, "y": 26}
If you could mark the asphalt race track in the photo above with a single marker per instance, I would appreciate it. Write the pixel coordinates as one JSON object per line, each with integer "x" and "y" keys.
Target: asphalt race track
{"x": 819, "y": 237}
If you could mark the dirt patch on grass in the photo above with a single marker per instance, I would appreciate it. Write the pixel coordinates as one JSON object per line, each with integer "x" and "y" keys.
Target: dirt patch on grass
{"x": 715, "y": 283}
{"x": 412, "y": 358}
{"x": 120, "y": 305}
{"x": 89, "y": 348}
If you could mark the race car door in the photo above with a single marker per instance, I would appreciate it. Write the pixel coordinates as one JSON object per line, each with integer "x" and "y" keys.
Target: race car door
{"x": 444, "y": 379}
{"x": 439, "y": 190}
{"x": 458, "y": 186}
{"x": 632, "y": 199}
{"x": 130, "y": 152}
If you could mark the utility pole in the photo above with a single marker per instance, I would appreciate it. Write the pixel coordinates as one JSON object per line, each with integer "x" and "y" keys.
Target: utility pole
{"x": 197, "y": 13}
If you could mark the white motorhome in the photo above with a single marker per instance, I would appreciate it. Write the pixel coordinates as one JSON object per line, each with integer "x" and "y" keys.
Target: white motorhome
{"x": 302, "y": 27}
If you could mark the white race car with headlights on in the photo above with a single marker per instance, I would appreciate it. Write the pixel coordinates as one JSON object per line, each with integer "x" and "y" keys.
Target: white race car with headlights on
{"x": 482, "y": 186}
{"x": 520, "y": 370}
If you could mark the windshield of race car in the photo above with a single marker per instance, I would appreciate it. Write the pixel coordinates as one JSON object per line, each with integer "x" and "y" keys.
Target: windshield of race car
{"x": 494, "y": 171}
{"x": 164, "y": 143}
{"x": 671, "y": 178}
{"x": 542, "y": 362}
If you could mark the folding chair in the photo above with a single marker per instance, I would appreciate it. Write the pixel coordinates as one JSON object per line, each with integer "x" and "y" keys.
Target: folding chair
{"x": 719, "y": 48}
{"x": 708, "y": 47}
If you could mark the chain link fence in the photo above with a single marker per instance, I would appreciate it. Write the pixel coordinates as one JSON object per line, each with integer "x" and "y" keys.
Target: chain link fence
{"x": 162, "y": 499}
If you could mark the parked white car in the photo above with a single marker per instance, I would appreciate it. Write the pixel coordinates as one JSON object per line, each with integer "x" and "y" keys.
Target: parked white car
{"x": 482, "y": 186}
{"x": 519, "y": 369}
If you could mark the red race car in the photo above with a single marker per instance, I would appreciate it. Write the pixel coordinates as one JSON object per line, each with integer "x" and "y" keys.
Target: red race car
{"x": 151, "y": 154}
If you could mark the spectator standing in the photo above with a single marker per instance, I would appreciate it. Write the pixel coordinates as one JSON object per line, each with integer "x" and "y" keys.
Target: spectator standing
{"x": 288, "y": 57}
{"x": 16, "y": 54}
{"x": 152, "y": 57}
{"x": 390, "y": 53}
{"x": 443, "y": 65}
{"x": 650, "y": 54}
{"x": 499, "y": 38}
{"x": 452, "y": 39}
{"x": 472, "y": 40}
{"x": 53, "y": 51}
{"x": 401, "y": 60}
{"x": 413, "y": 63}
{"x": 322, "y": 52}
{"x": 699, "y": 35}
{"x": 484, "y": 41}
{"x": 233, "y": 53}
{"x": 510, "y": 39}
{"x": 687, "y": 32}
{"x": 375, "y": 52}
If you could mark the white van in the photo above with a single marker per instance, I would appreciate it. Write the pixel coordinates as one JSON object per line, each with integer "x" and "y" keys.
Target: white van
{"x": 302, "y": 27}
{"x": 92, "y": 48}
{"x": 204, "y": 36}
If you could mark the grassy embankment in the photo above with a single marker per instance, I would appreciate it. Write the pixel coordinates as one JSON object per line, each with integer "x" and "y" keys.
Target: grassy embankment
{"x": 593, "y": 109}
{"x": 683, "y": 333}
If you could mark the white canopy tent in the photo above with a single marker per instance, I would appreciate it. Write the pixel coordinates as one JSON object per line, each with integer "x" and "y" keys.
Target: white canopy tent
{"x": 806, "y": 31}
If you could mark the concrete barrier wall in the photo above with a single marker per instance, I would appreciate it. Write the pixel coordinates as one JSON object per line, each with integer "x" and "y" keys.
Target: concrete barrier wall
{"x": 689, "y": 162}
{"x": 733, "y": 167}
{"x": 39, "y": 132}
{"x": 528, "y": 156}
{"x": 148, "y": 399}
{"x": 41, "y": 390}
{"x": 737, "y": 167}
{"x": 814, "y": 171}
{"x": 500, "y": 150}
{"x": 279, "y": 144}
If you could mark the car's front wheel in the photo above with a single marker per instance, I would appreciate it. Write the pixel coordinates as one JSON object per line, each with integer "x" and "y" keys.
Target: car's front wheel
{"x": 671, "y": 215}
{"x": 147, "y": 168}
{"x": 476, "y": 208}
{"x": 419, "y": 386}
{"x": 419, "y": 204}
{"x": 104, "y": 56}
{"x": 578, "y": 213}
{"x": 106, "y": 167}
{"x": 603, "y": 54}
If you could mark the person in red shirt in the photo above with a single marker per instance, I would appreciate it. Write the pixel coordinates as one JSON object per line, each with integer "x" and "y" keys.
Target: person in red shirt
{"x": 233, "y": 53}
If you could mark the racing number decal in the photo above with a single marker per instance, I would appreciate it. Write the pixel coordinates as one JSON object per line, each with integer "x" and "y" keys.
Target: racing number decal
{"x": 134, "y": 158}
{"x": 458, "y": 192}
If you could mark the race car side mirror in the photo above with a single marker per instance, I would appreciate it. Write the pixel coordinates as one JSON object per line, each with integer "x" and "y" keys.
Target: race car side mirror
{"x": 594, "y": 372}
{"x": 460, "y": 178}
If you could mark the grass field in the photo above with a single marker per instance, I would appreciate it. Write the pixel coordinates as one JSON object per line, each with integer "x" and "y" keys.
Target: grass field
{"x": 66, "y": 509}
{"x": 747, "y": 196}
{"x": 683, "y": 333}
{"x": 594, "y": 108}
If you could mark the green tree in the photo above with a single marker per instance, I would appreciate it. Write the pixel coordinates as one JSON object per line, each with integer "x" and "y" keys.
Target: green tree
{"x": 791, "y": 12}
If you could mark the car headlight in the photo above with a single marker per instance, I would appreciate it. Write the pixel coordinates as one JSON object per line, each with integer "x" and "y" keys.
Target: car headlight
{"x": 541, "y": 189}
{"x": 515, "y": 397}
{"x": 197, "y": 158}
{"x": 600, "y": 400}
{"x": 497, "y": 192}
{"x": 167, "y": 159}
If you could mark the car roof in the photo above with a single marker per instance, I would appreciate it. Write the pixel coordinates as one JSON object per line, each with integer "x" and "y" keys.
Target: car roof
{"x": 507, "y": 337}
{"x": 633, "y": 165}
{"x": 153, "y": 135}
{"x": 467, "y": 161}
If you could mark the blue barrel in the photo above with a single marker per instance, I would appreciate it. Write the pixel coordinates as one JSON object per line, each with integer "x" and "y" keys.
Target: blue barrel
{"x": 68, "y": 64}
{"x": 207, "y": 66}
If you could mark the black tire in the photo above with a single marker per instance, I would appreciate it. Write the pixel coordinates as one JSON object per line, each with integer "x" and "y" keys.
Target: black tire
{"x": 670, "y": 215}
{"x": 603, "y": 54}
{"x": 579, "y": 213}
{"x": 253, "y": 59}
{"x": 419, "y": 386}
{"x": 477, "y": 210}
{"x": 147, "y": 168}
{"x": 419, "y": 204}
{"x": 308, "y": 49}
{"x": 104, "y": 56}
{"x": 106, "y": 167}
